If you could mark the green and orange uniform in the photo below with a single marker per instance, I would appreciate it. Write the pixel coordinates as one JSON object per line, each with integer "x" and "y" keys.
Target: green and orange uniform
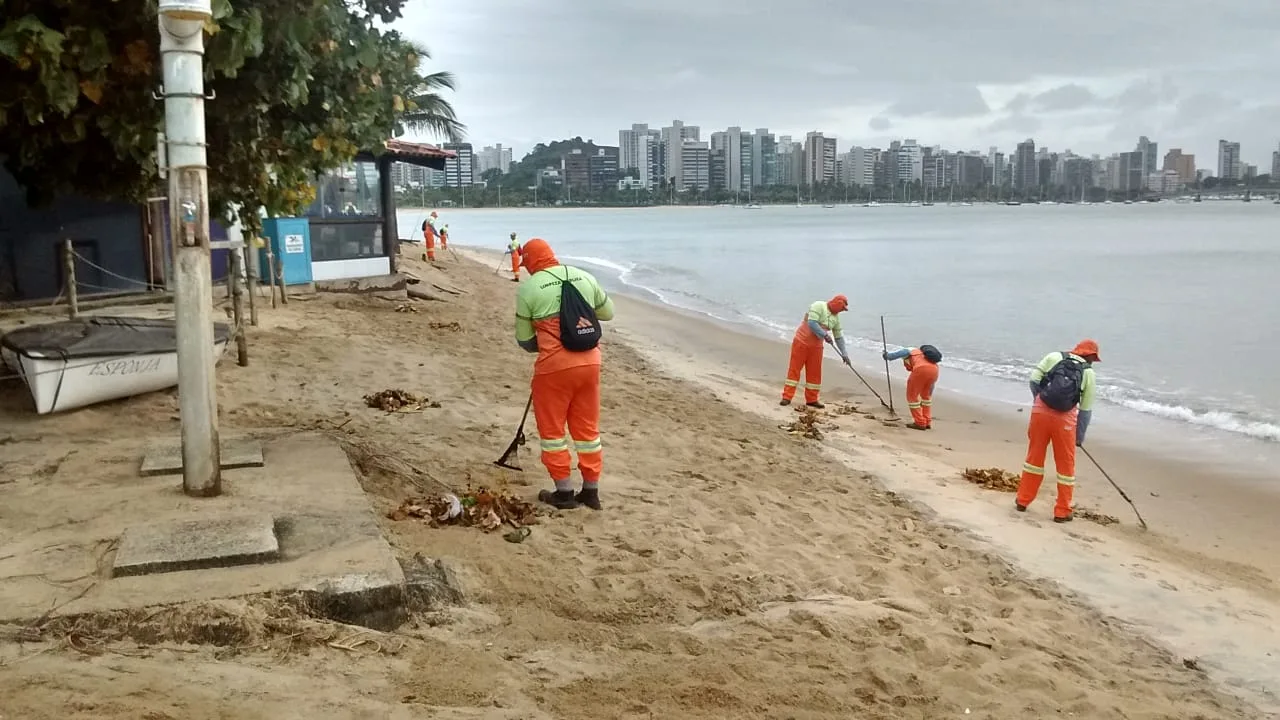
{"x": 566, "y": 384}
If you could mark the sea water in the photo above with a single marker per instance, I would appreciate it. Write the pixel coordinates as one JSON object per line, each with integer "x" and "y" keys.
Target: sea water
{"x": 1182, "y": 298}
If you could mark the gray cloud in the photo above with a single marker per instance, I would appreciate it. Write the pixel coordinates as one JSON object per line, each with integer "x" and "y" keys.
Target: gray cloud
{"x": 531, "y": 72}
{"x": 1064, "y": 97}
{"x": 947, "y": 101}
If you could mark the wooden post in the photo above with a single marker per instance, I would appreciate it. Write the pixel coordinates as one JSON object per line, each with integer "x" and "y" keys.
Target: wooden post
{"x": 271, "y": 275}
{"x": 69, "y": 279}
{"x": 284, "y": 296}
{"x": 237, "y": 305}
{"x": 251, "y": 276}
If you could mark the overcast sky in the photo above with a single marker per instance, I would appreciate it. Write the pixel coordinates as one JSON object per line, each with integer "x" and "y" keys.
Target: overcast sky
{"x": 1085, "y": 75}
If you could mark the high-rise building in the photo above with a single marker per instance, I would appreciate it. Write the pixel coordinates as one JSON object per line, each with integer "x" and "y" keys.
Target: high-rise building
{"x": 602, "y": 168}
{"x": 695, "y": 166}
{"x": 764, "y": 158}
{"x": 459, "y": 171}
{"x": 909, "y": 165}
{"x": 1181, "y": 163}
{"x": 971, "y": 170}
{"x": 1129, "y": 172}
{"x": 493, "y": 157}
{"x": 673, "y": 139}
{"x": 1275, "y": 166}
{"x": 819, "y": 159}
{"x": 717, "y": 170}
{"x": 1229, "y": 165}
{"x": 1044, "y": 171}
{"x": 996, "y": 166}
{"x": 1025, "y": 168}
{"x": 860, "y": 167}
{"x": 1150, "y": 156}
{"x": 790, "y": 162}
{"x": 575, "y": 168}
{"x": 1077, "y": 175}
{"x": 636, "y": 150}
{"x": 738, "y": 151}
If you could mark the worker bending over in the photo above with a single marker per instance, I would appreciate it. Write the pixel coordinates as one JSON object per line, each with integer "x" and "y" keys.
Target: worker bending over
{"x": 513, "y": 249}
{"x": 558, "y": 314}
{"x": 820, "y": 325}
{"x": 444, "y": 238}
{"x": 922, "y": 363}
{"x": 1064, "y": 387}
{"x": 429, "y": 237}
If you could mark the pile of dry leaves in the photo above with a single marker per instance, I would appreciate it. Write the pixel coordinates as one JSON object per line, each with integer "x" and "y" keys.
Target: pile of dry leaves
{"x": 454, "y": 326}
{"x": 992, "y": 479}
{"x": 398, "y": 401}
{"x": 483, "y": 508}
{"x": 805, "y": 426}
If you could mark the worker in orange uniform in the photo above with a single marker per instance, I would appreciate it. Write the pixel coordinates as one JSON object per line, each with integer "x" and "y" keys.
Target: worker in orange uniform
{"x": 820, "y": 325}
{"x": 444, "y": 238}
{"x": 1064, "y": 387}
{"x": 429, "y": 237}
{"x": 513, "y": 249}
{"x": 922, "y": 363}
{"x": 558, "y": 314}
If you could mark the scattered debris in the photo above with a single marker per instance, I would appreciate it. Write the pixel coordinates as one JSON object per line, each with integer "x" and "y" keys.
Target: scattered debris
{"x": 992, "y": 479}
{"x": 454, "y": 326}
{"x": 406, "y": 308}
{"x": 518, "y": 535}
{"x": 1191, "y": 663}
{"x": 847, "y": 410}
{"x": 805, "y": 426}
{"x": 482, "y": 508}
{"x": 1095, "y": 516}
{"x": 952, "y": 590}
{"x": 398, "y": 401}
{"x": 985, "y": 642}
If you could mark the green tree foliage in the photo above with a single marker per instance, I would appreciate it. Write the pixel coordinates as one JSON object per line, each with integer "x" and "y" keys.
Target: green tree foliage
{"x": 300, "y": 87}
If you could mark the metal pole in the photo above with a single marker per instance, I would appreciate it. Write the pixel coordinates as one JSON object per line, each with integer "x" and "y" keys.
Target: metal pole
{"x": 182, "y": 58}
{"x": 69, "y": 270}
{"x": 888, "y": 379}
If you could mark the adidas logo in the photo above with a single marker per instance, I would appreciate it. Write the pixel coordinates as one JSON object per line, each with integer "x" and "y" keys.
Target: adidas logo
{"x": 585, "y": 327}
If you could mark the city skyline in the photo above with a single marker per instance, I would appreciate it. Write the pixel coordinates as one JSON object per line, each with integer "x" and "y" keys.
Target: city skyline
{"x": 958, "y": 75}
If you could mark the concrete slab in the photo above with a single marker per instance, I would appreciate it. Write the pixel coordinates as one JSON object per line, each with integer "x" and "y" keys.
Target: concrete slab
{"x": 196, "y": 544}
{"x": 56, "y": 552}
{"x": 236, "y": 453}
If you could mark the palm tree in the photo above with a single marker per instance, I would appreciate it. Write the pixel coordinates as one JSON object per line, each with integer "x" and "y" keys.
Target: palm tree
{"x": 426, "y": 110}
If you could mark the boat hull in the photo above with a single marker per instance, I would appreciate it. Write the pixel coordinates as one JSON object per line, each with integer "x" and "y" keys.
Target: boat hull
{"x": 57, "y": 385}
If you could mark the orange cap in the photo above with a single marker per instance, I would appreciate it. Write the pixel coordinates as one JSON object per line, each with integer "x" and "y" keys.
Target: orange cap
{"x": 838, "y": 303}
{"x": 1087, "y": 347}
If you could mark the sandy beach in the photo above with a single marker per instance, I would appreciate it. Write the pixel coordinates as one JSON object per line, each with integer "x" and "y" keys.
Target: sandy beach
{"x": 737, "y": 571}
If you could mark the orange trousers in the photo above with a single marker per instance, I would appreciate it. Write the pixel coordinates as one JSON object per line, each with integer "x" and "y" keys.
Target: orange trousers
{"x": 569, "y": 397}
{"x": 920, "y": 393}
{"x": 444, "y": 241}
{"x": 515, "y": 264}
{"x": 807, "y": 357}
{"x": 1049, "y": 426}
{"x": 430, "y": 239}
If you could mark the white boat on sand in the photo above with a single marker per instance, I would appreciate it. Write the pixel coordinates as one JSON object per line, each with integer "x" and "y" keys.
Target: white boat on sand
{"x": 74, "y": 363}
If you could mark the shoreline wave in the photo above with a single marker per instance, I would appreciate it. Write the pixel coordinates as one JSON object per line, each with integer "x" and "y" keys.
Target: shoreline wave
{"x": 1130, "y": 397}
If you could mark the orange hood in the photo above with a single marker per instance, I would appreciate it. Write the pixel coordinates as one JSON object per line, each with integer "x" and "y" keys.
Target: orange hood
{"x": 536, "y": 255}
{"x": 838, "y": 304}
{"x": 1087, "y": 347}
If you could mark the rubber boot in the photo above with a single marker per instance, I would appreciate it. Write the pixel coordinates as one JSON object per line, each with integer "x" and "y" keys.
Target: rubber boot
{"x": 559, "y": 499}
{"x": 589, "y": 497}
{"x": 815, "y": 405}
{"x": 784, "y": 402}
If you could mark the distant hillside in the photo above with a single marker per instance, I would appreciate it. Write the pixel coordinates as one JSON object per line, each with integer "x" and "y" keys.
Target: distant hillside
{"x": 522, "y": 174}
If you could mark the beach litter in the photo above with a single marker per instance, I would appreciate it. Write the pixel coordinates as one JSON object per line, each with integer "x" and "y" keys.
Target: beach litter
{"x": 406, "y": 308}
{"x": 992, "y": 479}
{"x": 482, "y": 508}
{"x": 453, "y": 326}
{"x": 1095, "y": 516}
{"x": 847, "y": 410}
{"x": 804, "y": 426}
{"x": 398, "y": 401}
